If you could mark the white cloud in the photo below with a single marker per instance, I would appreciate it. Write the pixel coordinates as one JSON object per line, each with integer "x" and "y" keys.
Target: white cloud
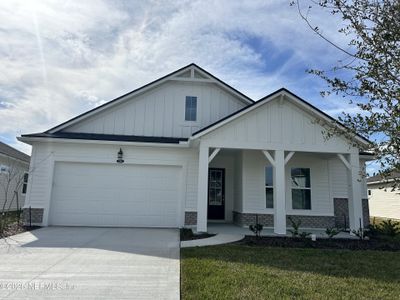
{"x": 60, "y": 58}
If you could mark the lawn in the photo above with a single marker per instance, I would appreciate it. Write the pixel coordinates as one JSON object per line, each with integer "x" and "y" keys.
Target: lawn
{"x": 250, "y": 272}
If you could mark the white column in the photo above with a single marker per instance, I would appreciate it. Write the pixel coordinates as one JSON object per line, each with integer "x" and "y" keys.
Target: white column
{"x": 355, "y": 204}
{"x": 202, "y": 187}
{"x": 279, "y": 193}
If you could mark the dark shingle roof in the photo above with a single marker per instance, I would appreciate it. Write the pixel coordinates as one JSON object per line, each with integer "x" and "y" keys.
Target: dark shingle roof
{"x": 10, "y": 151}
{"x": 108, "y": 137}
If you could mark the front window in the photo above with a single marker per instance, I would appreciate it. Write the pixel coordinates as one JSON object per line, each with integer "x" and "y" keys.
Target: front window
{"x": 301, "y": 188}
{"x": 269, "y": 188}
{"x": 191, "y": 108}
{"x": 25, "y": 183}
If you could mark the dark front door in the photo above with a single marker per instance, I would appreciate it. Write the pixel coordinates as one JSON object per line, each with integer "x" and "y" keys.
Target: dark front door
{"x": 216, "y": 194}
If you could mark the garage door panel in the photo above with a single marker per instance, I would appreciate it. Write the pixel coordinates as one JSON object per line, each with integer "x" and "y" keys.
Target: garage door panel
{"x": 115, "y": 195}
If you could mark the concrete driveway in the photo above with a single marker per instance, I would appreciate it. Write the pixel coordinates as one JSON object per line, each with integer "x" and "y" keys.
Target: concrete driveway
{"x": 90, "y": 263}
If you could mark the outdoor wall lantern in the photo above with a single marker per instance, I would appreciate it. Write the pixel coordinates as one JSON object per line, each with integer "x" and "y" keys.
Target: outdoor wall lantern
{"x": 120, "y": 156}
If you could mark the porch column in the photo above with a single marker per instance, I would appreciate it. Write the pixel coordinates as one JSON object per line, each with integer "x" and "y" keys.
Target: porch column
{"x": 202, "y": 185}
{"x": 279, "y": 193}
{"x": 355, "y": 204}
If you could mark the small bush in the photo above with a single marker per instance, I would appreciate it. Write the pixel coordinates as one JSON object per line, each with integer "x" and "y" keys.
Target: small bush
{"x": 332, "y": 231}
{"x": 296, "y": 229}
{"x": 256, "y": 228}
{"x": 390, "y": 228}
{"x": 386, "y": 228}
{"x": 186, "y": 234}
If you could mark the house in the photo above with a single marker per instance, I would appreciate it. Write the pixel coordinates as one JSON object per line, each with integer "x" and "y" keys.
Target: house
{"x": 384, "y": 201}
{"x": 14, "y": 166}
{"x": 188, "y": 149}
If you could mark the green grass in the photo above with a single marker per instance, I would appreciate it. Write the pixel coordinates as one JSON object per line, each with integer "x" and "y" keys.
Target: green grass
{"x": 248, "y": 272}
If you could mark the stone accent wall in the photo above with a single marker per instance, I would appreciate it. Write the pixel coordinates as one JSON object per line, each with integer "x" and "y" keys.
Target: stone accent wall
{"x": 311, "y": 221}
{"x": 190, "y": 218}
{"x": 341, "y": 209}
{"x": 242, "y": 219}
{"x": 365, "y": 210}
{"x": 36, "y": 216}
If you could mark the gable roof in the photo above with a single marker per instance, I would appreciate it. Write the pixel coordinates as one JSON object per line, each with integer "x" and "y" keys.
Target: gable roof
{"x": 14, "y": 153}
{"x": 150, "y": 85}
{"x": 266, "y": 99}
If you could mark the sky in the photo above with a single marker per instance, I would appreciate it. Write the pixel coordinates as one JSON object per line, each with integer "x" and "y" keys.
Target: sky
{"x": 61, "y": 58}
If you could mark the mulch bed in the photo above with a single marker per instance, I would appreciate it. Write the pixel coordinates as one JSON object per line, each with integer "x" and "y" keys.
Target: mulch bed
{"x": 188, "y": 235}
{"x": 15, "y": 228}
{"x": 349, "y": 244}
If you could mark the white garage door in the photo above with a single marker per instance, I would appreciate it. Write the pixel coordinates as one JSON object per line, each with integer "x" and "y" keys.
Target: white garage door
{"x": 115, "y": 195}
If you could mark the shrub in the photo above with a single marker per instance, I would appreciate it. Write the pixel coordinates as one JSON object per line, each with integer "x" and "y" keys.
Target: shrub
{"x": 304, "y": 234}
{"x": 332, "y": 231}
{"x": 296, "y": 229}
{"x": 390, "y": 228}
{"x": 386, "y": 228}
{"x": 256, "y": 228}
{"x": 296, "y": 226}
{"x": 360, "y": 233}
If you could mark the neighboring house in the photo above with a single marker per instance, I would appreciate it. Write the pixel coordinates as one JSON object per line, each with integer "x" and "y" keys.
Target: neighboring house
{"x": 384, "y": 201}
{"x": 188, "y": 149}
{"x": 14, "y": 166}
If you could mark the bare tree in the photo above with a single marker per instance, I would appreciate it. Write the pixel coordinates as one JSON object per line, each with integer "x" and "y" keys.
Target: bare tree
{"x": 11, "y": 183}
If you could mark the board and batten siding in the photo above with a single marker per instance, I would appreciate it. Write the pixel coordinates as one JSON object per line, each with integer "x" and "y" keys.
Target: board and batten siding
{"x": 254, "y": 164}
{"x": 276, "y": 125}
{"x": 323, "y": 187}
{"x": 45, "y": 155}
{"x": 161, "y": 111}
{"x": 339, "y": 177}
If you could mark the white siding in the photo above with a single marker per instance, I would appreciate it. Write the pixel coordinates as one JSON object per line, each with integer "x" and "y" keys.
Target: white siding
{"x": 339, "y": 177}
{"x": 44, "y": 156}
{"x": 254, "y": 185}
{"x": 161, "y": 111}
{"x": 276, "y": 125}
{"x": 383, "y": 202}
{"x": 321, "y": 200}
{"x": 254, "y": 182}
{"x": 238, "y": 188}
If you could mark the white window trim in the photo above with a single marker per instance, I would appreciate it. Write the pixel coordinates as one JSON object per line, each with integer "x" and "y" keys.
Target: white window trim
{"x": 268, "y": 186}
{"x": 197, "y": 111}
{"x": 300, "y": 188}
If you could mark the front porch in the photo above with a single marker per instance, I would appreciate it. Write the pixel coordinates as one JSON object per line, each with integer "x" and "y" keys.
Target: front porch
{"x": 244, "y": 185}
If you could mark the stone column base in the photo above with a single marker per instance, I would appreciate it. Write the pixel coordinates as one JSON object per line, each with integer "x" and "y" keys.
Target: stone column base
{"x": 190, "y": 218}
{"x": 33, "y": 215}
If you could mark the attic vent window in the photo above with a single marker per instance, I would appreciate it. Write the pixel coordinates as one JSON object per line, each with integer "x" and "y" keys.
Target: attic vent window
{"x": 191, "y": 108}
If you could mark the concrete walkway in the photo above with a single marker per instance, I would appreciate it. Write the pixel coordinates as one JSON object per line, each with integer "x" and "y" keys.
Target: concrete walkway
{"x": 217, "y": 239}
{"x": 90, "y": 263}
